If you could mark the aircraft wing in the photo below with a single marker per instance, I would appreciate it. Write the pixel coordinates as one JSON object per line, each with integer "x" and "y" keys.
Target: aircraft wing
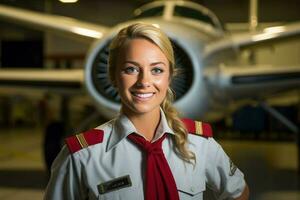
{"x": 18, "y": 81}
{"x": 244, "y": 40}
{"x": 55, "y": 23}
{"x": 256, "y": 83}
{"x": 253, "y": 81}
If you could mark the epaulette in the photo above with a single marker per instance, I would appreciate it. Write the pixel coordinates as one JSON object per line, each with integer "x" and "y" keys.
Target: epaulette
{"x": 83, "y": 140}
{"x": 198, "y": 128}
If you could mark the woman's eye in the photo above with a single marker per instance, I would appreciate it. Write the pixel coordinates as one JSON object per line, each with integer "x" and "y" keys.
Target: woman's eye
{"x": 157, "y": 70}
{"x": 131, "y": 70}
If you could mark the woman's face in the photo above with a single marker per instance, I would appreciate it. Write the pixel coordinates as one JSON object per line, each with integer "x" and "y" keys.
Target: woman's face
{"x": 142, "y": 76}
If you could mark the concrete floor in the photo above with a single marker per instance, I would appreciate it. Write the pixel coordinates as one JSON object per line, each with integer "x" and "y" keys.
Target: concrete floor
{"x": 22, "y": 171}
{"x": 270, "y": 167}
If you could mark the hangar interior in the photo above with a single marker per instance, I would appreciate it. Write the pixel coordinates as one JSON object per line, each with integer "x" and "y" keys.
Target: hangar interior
{"x": 265, "y": 149}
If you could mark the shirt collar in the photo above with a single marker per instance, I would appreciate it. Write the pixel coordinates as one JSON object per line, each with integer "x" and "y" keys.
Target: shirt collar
{"x": 163, "y": 127}
{"x": 122, "y": 127}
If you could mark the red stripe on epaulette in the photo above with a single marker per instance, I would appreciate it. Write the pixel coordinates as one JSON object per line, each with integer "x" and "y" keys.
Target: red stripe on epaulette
{"x": 73, "y": 144}
{"x": 207, "y": 130}
{"x": 198, "y": 128}
{"x": 93, "y": 136}
{"x": 83, "y": 140}
{"x": 189, "y": 125}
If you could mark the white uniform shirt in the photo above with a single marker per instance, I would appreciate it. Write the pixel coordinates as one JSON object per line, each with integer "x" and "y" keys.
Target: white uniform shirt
{"x": 78, "y": 175}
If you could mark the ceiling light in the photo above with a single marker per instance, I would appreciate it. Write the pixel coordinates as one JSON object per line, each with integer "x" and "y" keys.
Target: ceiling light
{"x": 68, "y": 1}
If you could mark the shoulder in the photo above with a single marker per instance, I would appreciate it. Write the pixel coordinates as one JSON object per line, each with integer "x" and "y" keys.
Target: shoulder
{"x": 90, "y": 137}
{"x": 198, "y": 128}
{"x": 85, "y": 139}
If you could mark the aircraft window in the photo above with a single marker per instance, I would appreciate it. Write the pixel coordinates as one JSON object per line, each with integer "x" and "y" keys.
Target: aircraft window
{"x": 151, "y": 12}
{"x": 194, "y": 14}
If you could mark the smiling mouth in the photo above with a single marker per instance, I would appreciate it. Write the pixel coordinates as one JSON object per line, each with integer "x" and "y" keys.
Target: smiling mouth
{"x": 143, "y": 95}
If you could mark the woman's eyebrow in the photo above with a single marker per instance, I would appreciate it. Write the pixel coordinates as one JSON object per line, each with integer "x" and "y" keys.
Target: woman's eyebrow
{"x": 132, "y": 62}
{"x": 157, "y": 63}
{"x": 137, "y": 64}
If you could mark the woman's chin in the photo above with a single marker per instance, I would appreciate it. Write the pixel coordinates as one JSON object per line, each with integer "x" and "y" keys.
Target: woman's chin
{"x": 141, "y": 109}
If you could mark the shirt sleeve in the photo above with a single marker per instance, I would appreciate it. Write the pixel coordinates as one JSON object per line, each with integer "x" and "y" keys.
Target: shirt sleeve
{"x": 64, "y": 181}
{"x": 223, "y": 177}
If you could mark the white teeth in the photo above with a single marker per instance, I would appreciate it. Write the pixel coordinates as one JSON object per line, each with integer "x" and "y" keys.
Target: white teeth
{"x": 144, "y": 95}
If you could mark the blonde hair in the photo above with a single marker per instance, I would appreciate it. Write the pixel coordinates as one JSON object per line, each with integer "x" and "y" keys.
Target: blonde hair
{"x": 160, "y": 39}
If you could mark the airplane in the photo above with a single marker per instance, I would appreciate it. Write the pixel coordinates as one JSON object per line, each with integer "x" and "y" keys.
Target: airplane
{"x": 216, "y": 77}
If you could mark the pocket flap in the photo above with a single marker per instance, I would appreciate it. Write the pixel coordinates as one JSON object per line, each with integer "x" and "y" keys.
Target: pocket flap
{"x": 191, "y": 187}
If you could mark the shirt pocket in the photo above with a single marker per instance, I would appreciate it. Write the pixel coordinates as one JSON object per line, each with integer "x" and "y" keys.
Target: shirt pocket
{"x": 191, "y": 190}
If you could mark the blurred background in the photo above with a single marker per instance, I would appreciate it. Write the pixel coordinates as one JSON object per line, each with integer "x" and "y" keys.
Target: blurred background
{"x": 263, "y": 148}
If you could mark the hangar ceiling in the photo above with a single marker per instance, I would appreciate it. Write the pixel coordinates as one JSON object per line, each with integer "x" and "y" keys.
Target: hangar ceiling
{"x": 101, "y": 11}
{"x": 114, "y": 11}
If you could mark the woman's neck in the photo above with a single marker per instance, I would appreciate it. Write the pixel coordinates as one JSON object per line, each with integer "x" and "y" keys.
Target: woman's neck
{"x": 145, "y": 123}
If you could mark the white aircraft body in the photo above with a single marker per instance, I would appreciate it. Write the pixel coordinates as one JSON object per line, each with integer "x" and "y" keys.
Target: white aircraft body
{"x": 216, "y": 78}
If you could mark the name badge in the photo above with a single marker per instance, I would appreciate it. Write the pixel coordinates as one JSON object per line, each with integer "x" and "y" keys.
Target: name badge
{"x": 114, "y": 184}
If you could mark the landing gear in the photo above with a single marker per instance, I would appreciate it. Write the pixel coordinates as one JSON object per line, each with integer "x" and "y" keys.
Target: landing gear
{"x": 55, "y": 131}
{"x": 289, "y": 124}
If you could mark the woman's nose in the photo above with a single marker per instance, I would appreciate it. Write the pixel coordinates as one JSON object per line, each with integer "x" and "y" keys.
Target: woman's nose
{"x": 144, "y": 80}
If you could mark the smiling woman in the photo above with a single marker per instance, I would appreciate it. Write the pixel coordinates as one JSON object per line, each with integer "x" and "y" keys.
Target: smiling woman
{"x": 150, "y": 46}
{"x": 143, "y": 79}
{"x": 147, "y": 152}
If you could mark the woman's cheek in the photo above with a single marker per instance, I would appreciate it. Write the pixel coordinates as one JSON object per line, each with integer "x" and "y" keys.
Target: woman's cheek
{"x": 162, "y": 83}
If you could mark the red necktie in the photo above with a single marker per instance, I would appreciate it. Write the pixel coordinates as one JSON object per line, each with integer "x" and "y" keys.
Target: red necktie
{"x": 160, "y": 183}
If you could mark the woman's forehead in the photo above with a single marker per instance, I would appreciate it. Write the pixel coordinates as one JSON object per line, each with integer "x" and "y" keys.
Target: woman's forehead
{"x": 141, "y": 48}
